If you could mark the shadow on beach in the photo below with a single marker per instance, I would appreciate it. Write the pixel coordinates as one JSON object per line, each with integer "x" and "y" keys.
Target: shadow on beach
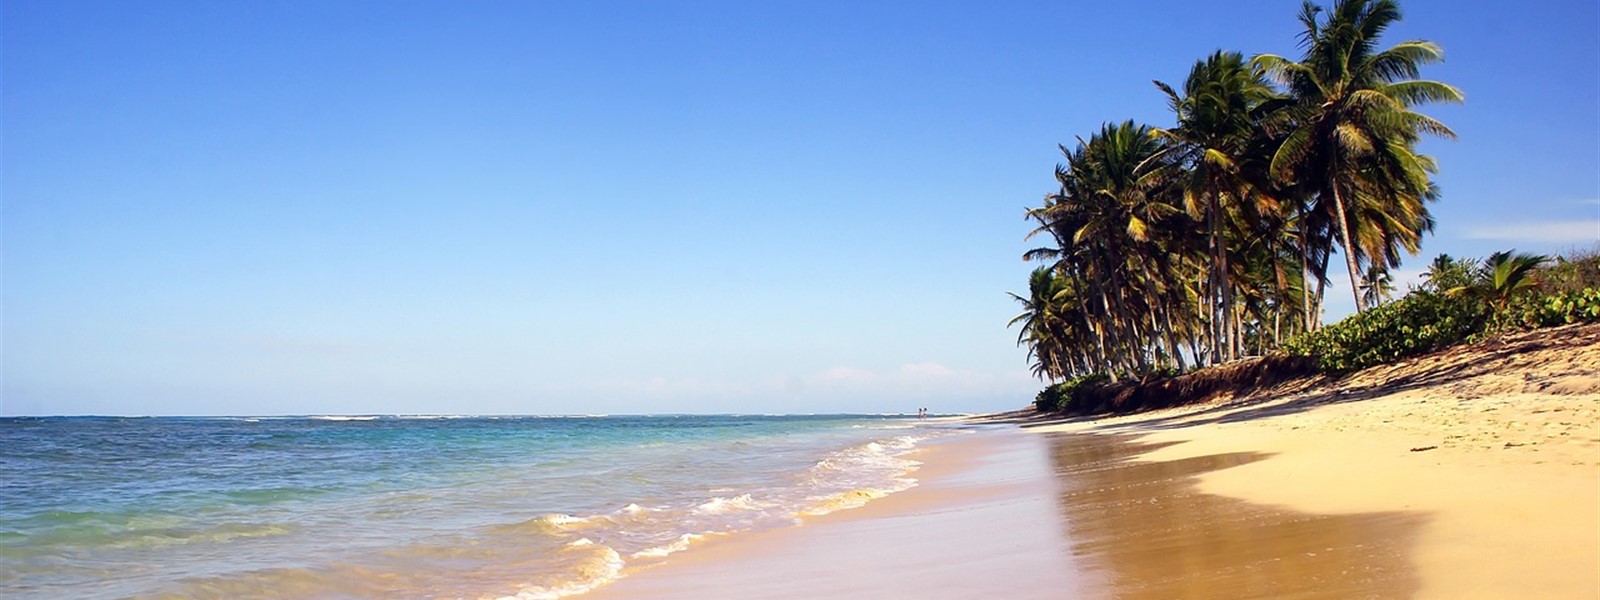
{"x": 1145, "y": 530}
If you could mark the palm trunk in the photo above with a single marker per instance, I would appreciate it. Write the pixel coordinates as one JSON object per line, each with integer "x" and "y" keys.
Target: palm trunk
{"x": 1349, "y": 246}
{"x": 1107, "y": 331}
{"x": 1305, "y": 279}
{"x": 1277, "y": 325}
{"x": 1172, "y": 342}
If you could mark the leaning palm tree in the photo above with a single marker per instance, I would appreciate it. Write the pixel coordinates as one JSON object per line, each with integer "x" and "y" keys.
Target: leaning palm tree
{"x": 1121, "y": 188}
{"x": 1119, "y": 240}
{"x": 1217, "y": 121}
{"x": 1043, "y": 321}
{"x": 1354, "y": 131}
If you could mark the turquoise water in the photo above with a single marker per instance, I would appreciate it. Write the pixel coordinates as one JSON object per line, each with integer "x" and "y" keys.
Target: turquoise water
{"x": 379, "y": 507}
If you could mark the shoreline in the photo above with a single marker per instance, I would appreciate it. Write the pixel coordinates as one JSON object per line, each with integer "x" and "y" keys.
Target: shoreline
{"x": 1466, "y": 474}
{"x": 981, "y": 521}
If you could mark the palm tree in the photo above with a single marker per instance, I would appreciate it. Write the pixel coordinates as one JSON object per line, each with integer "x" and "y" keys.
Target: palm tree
{"x": 1114, "y": 242}
{"x": 1217, "y": 115}
{"x": 1446, "y": 273}
{"x": 1043, "y": 320}
{"x": 1353, "y": 134}
{"x": 1378, "y": 286}
{"x": 1501, "y": 277}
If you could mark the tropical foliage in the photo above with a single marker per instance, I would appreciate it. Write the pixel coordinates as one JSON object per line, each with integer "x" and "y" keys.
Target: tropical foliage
{"x": 1209, "y": 240}
{"x": 1460, "y": 300}
{"x": 1421, "y": 322}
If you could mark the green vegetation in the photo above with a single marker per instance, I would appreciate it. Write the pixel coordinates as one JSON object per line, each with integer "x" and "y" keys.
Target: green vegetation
{"x": 1461, "y": 301}
{"x": 1421, "y": 322}
{"x": 1208, "y": 241}
{"x": 1059, "y": 397}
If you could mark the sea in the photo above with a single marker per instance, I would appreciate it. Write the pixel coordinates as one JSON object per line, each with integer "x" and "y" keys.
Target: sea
{"x": 412, "y": 506}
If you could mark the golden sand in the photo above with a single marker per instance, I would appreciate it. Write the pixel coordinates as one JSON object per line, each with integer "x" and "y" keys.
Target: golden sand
{"x": 1495, "y": 448}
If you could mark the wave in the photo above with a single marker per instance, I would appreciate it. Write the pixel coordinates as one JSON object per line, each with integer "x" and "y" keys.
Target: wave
{"x": 865, "y": 473}
{"x": 550, "y": 524}
{"x": 843, "y": 500}
{"x": 678, "y": 545}
{"x": 721, "y": 505}
{"x": 600, "y": 565}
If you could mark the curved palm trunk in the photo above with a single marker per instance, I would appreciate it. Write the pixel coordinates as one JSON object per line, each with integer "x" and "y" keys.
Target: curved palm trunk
{"x": 1349, "y": 247}
{"x": 1305, "y": 272}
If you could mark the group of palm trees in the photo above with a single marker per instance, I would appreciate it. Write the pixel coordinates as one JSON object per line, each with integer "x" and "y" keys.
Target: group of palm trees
{"x": 1210, "y": 240}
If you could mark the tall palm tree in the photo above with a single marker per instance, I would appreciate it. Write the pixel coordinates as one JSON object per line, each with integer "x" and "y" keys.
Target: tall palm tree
{"x": 1354, "y": 130}
{"x": 1217, "y": 121}
{"x": 1119, "y": 187}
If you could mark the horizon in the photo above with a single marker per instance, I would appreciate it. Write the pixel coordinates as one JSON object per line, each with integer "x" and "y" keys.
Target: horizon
{"x": 697, "y": 209}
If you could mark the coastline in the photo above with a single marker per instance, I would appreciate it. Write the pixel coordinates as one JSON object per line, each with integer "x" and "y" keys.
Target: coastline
{"x": 1466, "y": 474}
{"x": 981, "y": 521}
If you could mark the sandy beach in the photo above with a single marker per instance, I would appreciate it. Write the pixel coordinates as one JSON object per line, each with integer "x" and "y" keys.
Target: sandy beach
{"x": 1491, "y": 453}
{"x": 1473, "y": 473}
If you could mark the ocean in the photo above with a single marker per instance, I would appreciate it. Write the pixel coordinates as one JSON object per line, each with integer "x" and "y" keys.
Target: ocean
{"x": 412, "y": 507}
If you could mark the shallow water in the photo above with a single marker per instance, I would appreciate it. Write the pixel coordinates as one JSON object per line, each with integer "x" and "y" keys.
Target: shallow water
{"x": 341, "y": 507}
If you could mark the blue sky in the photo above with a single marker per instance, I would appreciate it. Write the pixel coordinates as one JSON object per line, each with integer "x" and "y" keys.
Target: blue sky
{"x": 618, "y": 207}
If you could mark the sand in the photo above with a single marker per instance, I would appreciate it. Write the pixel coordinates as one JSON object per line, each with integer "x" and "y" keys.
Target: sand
{"x": 1470, "y": 474}
{"x": 1495, "y": 447}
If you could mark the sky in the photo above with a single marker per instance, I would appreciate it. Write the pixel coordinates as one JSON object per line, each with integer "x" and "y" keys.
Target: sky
{"x": 632, "y": 207}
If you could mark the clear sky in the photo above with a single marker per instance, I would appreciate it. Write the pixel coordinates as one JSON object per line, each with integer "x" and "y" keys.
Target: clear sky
{"x": 632, "y": 207}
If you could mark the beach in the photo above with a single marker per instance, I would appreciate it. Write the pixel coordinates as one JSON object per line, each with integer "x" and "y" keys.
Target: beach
{"x": 981, "y": 523}
{"x": 1473, "y": 473}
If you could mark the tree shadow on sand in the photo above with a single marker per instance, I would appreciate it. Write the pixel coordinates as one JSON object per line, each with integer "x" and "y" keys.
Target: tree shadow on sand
{"x": 1145, "y": 531}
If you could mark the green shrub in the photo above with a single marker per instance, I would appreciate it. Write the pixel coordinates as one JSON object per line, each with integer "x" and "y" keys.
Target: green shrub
{"x": 1577, "y": 271}
{"x": 1064, "y": 396}
{"x": 1418, "y": 323}
{"x": 1554, "y": 308}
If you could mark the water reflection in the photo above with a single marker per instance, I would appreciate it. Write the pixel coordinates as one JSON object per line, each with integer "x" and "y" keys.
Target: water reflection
{"x": 1144, "y": 528}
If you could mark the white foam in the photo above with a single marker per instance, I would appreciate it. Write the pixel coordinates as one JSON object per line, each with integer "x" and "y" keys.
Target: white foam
{"x": 631, "y": 509}
{"x": 605, "y": 568}
{"x": 678, "y": 545}
{"x": 721, "y": 505}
